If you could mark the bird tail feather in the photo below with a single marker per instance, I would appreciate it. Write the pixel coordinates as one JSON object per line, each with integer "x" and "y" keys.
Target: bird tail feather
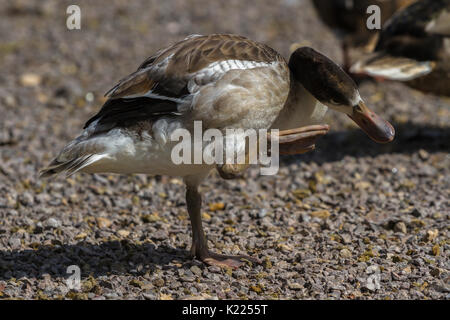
{"x": 69, "y": 167}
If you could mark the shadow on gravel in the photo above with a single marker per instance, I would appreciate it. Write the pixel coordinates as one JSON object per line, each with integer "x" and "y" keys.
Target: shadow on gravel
{"x": 108, "y": 258}
{"x": 409, "y": 138}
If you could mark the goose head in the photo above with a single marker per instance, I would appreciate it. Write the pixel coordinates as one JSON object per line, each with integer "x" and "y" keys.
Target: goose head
{"x": 331, "y": 86}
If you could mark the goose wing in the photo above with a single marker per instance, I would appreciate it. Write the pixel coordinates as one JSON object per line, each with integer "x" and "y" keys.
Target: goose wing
{"x": 166, "y": 82}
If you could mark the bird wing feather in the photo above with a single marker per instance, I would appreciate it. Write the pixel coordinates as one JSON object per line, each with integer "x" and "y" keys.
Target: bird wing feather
{"x": 164, "y": 82}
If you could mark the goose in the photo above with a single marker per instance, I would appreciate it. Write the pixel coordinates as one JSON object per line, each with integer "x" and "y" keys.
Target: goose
{"x": 225, "y": 81}
{"x": 348, "y": 19}
{"x": 414, "y": 47}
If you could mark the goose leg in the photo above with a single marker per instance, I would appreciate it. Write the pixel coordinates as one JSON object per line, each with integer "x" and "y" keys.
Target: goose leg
{"x": 292, "y": 141}
{"x": 199, "y": 247}
{"x": 300, "y": 140}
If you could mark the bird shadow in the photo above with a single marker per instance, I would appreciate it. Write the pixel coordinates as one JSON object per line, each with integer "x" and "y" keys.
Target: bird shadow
{"x": 107, "y": 258}
{"x": 125, "y": 257}
{"x": 410, "y": 138}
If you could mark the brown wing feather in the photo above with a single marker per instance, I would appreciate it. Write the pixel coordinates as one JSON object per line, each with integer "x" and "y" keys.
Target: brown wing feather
{"x": 186, "y": 57}
{"x": 134, "y": 84}
{"x": 196, "y": 53}
{"x": 122, "y": 111}
{"x": 167, "y": 73}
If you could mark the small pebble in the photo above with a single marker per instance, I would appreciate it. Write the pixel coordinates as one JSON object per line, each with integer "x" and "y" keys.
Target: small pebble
{"x": 345, "y": 253}
{"x": 52, "y": 223}
{"x": 400, "y": 227}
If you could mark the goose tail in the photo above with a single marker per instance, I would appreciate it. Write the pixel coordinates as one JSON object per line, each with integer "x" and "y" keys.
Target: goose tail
{"x": 69, "y": 167}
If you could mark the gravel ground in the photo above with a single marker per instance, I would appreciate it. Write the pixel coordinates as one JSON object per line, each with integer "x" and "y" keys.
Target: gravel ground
{"x": 352, "y": 220}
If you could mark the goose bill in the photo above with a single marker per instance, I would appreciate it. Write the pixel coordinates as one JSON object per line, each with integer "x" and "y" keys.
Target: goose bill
{"x": 378, "y": 129}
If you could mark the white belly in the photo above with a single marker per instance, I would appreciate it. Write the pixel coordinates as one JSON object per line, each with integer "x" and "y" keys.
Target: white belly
{"x": 133, "y": 151}
{"x": 146, "y": 157}
{"x": 127, "y": 155}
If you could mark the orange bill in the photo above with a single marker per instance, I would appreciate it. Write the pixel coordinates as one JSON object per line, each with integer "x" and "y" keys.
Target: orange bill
{"x": 378, "y": 129}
